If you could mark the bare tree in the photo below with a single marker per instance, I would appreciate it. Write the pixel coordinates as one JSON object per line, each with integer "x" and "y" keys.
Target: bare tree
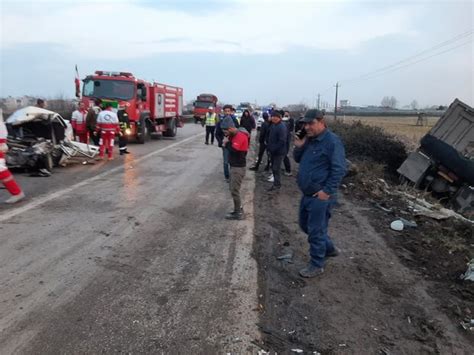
{"x": 390, "y": 102}
{"x": 414, "y": 105}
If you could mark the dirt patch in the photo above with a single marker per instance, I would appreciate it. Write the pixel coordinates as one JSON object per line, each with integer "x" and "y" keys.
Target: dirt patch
{"x": 438, "y": 250}
{"x": 387, "y": 293}
{"x": 372, "y": 298}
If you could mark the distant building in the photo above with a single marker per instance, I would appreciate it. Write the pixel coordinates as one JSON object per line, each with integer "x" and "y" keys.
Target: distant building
{"x": 344, "y": 103}
{"x": 10, "y": 103}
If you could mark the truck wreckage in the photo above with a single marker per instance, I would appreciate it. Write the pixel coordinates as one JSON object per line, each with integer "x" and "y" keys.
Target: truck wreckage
{"x": 444, "y": 162}
{"x": 39, "y": 139}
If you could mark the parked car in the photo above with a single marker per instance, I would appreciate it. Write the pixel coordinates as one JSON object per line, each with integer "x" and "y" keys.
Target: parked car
{"x": 238, "y": 114}
{"x": 258, "y": 115}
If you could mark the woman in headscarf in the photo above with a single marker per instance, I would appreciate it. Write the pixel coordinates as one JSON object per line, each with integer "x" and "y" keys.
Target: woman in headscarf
{"x": 248, "y": 122}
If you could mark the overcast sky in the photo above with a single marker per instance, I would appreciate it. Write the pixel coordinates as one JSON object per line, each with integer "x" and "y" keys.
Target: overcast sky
{"x": 261, "y": 50}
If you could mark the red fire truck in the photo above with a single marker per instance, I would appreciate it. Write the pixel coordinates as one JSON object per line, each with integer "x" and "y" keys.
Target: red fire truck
{"x": 152, "y": 108}
{"x": 202, "y": 104}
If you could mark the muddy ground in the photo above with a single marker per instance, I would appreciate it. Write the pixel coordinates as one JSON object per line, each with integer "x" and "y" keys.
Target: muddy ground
{"x": 387, "y": 293}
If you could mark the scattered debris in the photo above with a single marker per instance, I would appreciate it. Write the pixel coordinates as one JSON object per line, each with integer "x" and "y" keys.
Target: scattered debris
{"x": 469, "y": 274}
{"x": 421, "y": 207}
{"x": 468, "y": 324}
{"x": 287, "y": 256}
{"x": 379, "y": 206}
{"x": 407, "y": 223}
{"x": 397, "y": 225}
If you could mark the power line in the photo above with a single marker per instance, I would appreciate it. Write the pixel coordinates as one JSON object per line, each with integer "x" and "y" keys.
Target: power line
{"x": 394, "y": 65}
{"x": 375, "y": 75}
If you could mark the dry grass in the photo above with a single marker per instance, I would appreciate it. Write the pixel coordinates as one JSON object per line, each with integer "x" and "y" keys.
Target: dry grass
{"x": 404, "y": 128}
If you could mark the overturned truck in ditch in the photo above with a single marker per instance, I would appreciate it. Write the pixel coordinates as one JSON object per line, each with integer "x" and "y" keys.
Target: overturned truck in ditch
{"x": 444, "y": 162}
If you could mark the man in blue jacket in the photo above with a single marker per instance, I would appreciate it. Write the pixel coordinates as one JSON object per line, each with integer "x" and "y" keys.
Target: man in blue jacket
{"x": 276, "y": 146}
{"x": 322, "y": 166}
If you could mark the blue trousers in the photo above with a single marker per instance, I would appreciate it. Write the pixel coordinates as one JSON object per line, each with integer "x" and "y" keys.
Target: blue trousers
{"x": 314, "y": 218}
{"x": 225, "y": 155}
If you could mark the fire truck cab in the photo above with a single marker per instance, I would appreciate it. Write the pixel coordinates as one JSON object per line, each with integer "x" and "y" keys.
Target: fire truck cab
{"x": 153, "y": 109}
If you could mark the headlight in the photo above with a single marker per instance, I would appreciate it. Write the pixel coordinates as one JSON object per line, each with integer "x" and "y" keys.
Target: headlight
{"x": 128, "y": 131}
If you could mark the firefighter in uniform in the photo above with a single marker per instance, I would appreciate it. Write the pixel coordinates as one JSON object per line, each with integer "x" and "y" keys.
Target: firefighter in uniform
{"x": 210, "y": 122}
{"x": 124, "y": 129}
{"x": 108, "y": 126}
{"x": 78, "y": 122}
{"x": 6, "y": 177}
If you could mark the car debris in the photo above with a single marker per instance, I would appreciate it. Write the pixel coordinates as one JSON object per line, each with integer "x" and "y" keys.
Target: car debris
{"x": 39, "y": 139}
{"x": 397, "y": 225}
{"x": 287, "y": 255}
{"x": 468, "y": 324}
{"x": 469, "y": 274}
{"x": 385, "y": 209}
{"x": 407, "y": 223}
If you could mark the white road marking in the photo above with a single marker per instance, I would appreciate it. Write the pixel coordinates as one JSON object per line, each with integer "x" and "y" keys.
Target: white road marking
{"x": 41, "y": 200}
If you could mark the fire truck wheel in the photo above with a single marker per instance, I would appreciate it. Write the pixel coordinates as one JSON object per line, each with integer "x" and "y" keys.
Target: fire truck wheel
{"x": 172, "y": 129}
{"x": 144, "y": 131}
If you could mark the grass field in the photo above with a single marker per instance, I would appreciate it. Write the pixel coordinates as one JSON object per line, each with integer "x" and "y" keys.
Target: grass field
{"x": 404, "y": 128}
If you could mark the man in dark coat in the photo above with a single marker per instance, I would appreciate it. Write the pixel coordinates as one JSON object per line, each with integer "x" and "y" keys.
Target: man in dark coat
{"x": 277, "y": 145}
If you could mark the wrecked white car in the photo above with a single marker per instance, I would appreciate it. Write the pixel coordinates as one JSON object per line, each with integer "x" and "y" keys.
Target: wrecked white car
{"x": 39, "y": 139}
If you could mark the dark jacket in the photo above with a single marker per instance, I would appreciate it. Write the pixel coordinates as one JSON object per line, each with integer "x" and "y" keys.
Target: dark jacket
{"x": 322, "y": 164}
{"x": 264, "y": 131}
{"x": 291, "y": 124}
{"x": 277, "y": 139}
{"x": 248, "y": 122}
{"x": 219, "y": 134}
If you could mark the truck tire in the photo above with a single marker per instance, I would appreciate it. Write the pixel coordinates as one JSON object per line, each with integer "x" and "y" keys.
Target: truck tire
{"x": 143, "y": 131}
{"x": 172, "y": 129}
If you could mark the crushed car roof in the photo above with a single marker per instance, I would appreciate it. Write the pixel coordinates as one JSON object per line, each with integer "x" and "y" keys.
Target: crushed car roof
{"x": 33, "y": 113}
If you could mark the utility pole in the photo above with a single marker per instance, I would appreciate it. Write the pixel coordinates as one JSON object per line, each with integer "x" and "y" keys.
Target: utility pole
{"x": 335, "y": 104}
{"x": 319, "y": 98}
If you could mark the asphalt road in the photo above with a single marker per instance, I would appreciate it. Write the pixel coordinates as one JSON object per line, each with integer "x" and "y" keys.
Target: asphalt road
{"x": 132, "y": 255}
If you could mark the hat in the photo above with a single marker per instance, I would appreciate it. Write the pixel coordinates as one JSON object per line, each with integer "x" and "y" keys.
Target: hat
{"x": 311, "y": 115}
{"x": 227, "y": 123}
{"x": 275, "y": 114}
{"x": 211, "y": 108}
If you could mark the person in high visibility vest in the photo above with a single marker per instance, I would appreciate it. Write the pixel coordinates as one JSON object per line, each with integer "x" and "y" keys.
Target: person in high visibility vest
{"x": 78, "y": 122}
{"x": 210, "y": 122}
{"x": 6, "y": 177}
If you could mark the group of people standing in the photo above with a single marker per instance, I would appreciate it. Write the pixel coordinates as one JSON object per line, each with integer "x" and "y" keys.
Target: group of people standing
{"x": 322, "y": 165}
{"x": 275, "y": 137}
{"x": 99, "y": 125}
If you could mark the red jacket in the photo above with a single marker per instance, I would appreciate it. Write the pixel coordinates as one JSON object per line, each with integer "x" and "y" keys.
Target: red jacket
{"x": 238, "y": 146}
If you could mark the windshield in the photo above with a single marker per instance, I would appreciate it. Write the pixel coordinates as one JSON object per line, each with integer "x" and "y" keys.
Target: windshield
{"x": 202, "y": 104}
{"x": 110, "y": 89}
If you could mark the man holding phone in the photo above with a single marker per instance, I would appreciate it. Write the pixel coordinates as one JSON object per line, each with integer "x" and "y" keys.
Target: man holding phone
{"x": 322, "y": 166}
